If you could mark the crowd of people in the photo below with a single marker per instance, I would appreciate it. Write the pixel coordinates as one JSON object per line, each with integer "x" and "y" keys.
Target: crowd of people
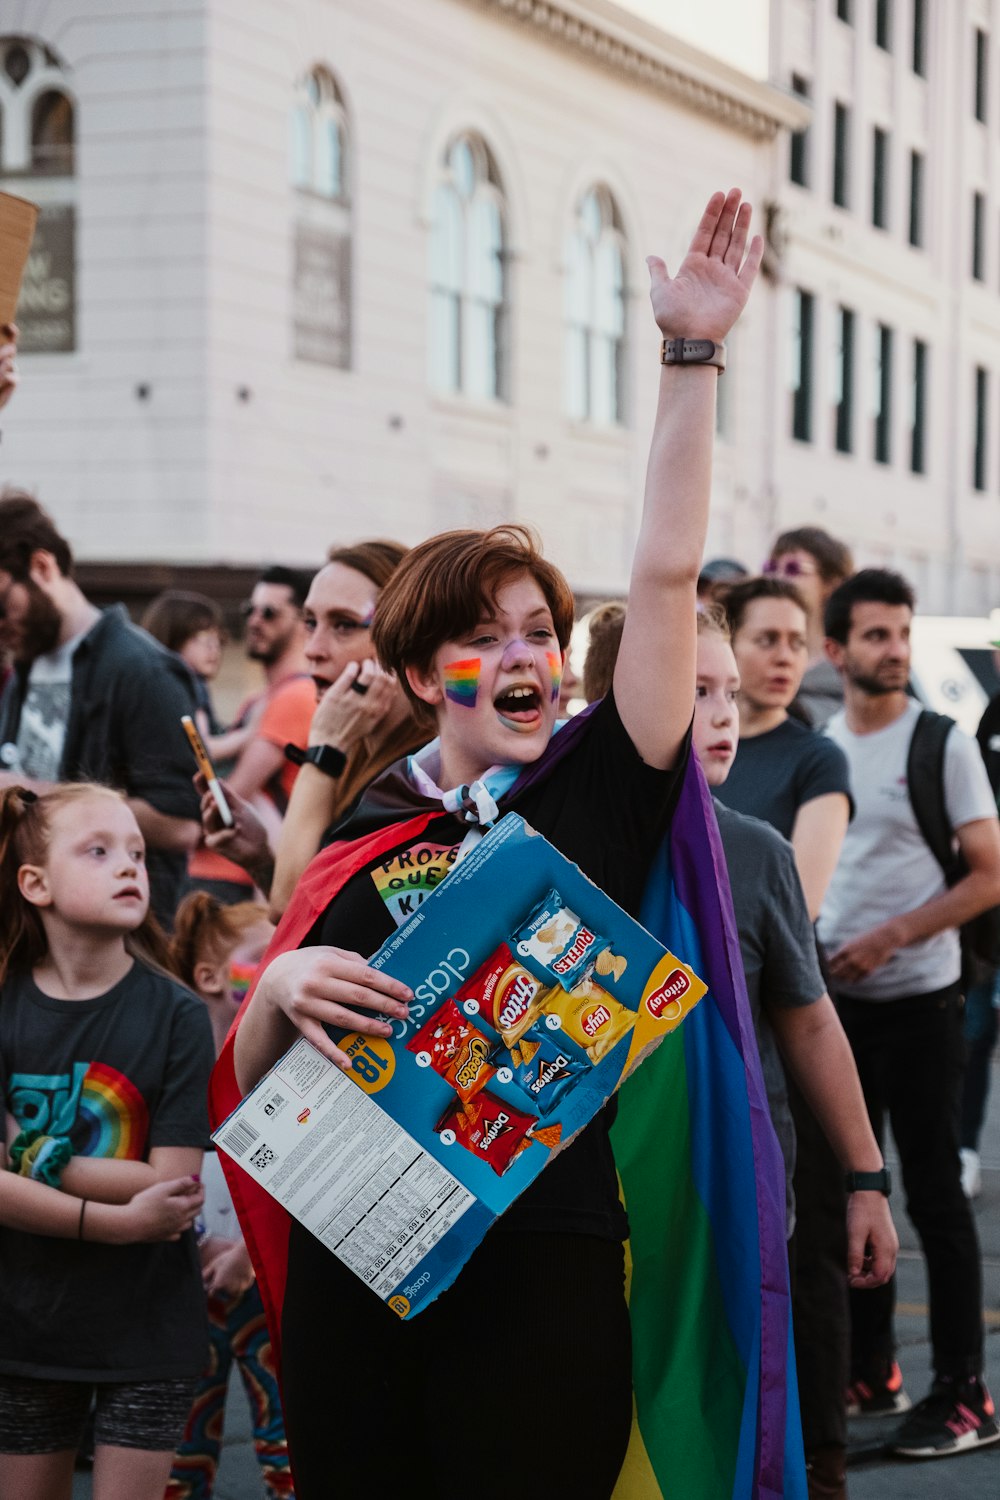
{"x": 862, "y": 843}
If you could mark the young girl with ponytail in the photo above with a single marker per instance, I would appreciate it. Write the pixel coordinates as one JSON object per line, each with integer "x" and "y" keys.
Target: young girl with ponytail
{"x": 104, "y": 1060}
{"x": 215, "y": 951}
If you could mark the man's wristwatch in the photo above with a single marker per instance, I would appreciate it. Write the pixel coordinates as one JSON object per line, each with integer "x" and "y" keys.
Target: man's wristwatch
{"x": 869, "y": 1182}
{"x": 326, "y": 758}
{"x": 693, "y": 352}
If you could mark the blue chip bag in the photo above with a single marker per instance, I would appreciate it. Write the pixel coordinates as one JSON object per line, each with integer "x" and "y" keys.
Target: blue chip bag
{"x": 556, "y": 940}
{"x": 544, "y": 1068}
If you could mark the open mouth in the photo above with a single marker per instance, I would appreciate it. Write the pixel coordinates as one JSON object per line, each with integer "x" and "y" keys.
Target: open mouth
{"x": 520, "y": 705}
{"x": 130, "y": 893}
{"x": 321, "y": 685}
{"x": 721, "y": 747}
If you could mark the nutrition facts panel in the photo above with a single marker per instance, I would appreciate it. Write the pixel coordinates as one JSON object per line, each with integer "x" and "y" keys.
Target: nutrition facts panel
{"x": 341, "y": 1166}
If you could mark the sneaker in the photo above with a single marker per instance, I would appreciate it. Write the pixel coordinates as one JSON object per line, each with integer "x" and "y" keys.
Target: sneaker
{"x": 956, "y": 1416}
{"x": 972, "y": 1177}
{"x": 881, "y": 1396}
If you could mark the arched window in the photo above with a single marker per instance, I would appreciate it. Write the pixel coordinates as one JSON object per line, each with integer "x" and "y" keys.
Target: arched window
{"x": 467, "y": 274}
{"x": 52, "y": 135}
{"x": 595, "y": 312}
{"x": 319, "y": 137}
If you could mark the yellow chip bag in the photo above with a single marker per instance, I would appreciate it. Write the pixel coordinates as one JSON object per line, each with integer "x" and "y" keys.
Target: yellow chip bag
{"x": 591, "y": 1017}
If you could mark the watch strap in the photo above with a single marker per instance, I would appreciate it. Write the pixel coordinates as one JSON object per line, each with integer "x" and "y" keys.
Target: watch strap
{"x": 326, "y": 758}
{"x": 693, "y": 352}
{"x": 869, "y": 1182}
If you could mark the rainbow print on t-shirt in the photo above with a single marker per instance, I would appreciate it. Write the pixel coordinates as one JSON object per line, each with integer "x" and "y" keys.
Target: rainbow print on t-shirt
{"x": 461, "y": 681}
{"x": 555, "y": 671}
{"x": 112, "y": 1115}
{"x": 408, "y": 876}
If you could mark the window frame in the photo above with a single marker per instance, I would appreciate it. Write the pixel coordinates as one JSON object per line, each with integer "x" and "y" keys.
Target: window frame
{"x": 467, "y": 299}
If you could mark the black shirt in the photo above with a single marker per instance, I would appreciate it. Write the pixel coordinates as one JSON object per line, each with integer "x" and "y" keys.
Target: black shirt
{"x": 775, "y": 773}
{"x": 124, "y": 729}
{"x": 601, "y": 807}
{"x": 117, "y": 1075}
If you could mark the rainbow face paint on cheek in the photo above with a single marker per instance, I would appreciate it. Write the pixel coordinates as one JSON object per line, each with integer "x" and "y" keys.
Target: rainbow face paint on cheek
{"x": 240, "y": 980}
{"x": 461, "y": 681}
{"x": 556, "y": 672}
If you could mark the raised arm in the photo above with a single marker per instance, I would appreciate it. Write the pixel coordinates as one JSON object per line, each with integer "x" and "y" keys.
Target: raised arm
{"x": 654, "y": 679}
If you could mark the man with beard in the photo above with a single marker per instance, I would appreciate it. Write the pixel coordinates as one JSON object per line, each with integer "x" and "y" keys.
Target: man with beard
{"x": 91, "y": 698}
{"x": 275, "y": 637}
{"x": 890, "y": 926}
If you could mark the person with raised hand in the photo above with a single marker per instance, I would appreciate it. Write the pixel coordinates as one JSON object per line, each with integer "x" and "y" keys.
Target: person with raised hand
{"x": 475, "y": 626}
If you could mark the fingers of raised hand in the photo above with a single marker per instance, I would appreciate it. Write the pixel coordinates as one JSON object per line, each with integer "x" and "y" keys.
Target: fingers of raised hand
{"x": 704, "y": 235}
{"x": 725, "y": 224}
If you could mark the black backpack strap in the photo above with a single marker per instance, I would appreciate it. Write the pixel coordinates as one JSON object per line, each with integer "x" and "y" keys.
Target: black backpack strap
{"x": 925, "y": 782}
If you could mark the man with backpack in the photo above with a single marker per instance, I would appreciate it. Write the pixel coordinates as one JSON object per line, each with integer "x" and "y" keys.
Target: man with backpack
{"x": 891, "y": 926}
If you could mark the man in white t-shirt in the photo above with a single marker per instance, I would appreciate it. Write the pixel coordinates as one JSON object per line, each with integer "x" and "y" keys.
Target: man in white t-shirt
{"x": 889, "y": 925}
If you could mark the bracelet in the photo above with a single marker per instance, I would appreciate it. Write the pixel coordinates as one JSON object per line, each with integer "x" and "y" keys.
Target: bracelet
{"x": 79, "y": 1227}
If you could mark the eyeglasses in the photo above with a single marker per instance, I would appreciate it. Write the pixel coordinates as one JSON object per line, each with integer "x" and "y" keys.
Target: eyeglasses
{"x": 788, "y": 567}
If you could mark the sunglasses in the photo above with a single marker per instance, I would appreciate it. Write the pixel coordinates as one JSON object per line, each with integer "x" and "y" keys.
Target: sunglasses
{"x": 788, "y": 567}
{"x": 266, "y": 611}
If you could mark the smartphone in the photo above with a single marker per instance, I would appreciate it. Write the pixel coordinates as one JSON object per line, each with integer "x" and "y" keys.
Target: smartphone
{"x": 206, "y": 768}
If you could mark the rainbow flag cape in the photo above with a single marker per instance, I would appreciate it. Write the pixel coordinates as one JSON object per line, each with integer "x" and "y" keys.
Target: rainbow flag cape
{"x": 716, "y": 1412}
{"x": 716, "y": 1415}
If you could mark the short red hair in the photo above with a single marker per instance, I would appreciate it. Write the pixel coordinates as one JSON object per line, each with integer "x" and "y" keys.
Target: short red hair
{"x": 443, "y": 587}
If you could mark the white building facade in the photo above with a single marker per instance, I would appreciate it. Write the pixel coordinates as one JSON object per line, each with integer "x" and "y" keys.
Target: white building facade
{"x": 311, "y": 270}
{"x": 886, "y": 233}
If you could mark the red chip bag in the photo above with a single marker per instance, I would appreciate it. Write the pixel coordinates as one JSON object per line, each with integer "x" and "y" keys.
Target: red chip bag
{"x": 490, "y": 1128}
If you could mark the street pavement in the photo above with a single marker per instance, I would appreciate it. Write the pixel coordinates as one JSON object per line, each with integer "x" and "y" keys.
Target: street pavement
{"x": 873, "y": 1473}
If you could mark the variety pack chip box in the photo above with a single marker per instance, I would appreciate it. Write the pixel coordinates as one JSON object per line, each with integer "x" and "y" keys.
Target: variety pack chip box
{"x": 535, "y": 996}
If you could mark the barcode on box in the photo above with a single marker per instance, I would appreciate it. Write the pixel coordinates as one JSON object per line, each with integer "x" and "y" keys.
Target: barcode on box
{"x": 239, "y": 1138}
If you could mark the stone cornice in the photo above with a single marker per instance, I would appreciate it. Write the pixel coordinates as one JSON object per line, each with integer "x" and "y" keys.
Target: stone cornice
{"x": 634, "y": 49}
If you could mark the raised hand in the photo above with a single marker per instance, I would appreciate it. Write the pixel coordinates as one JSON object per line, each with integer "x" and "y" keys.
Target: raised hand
{"x": 711, "y": 288}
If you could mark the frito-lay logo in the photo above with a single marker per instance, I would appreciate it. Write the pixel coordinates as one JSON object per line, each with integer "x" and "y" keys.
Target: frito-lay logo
{"x": 303, "y": 1117}
{"x": 583, "y": 940}
{"x": 475, "y": 1062}
{"x": 513, "y": 1001}
{"x": 668, "y": 996}
{"x": 593, "y": 1020}
{"x": 494, "y": 1130}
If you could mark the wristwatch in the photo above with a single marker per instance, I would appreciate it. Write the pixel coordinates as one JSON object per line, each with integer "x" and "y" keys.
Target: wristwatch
{"x": 869, "y": 1182}
{"x": 693, "y": 352}
{"x": 326, "y": 758}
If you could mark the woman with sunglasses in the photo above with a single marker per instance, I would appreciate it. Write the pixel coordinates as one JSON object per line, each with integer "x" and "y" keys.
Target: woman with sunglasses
{"x": 816, "y": 563}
